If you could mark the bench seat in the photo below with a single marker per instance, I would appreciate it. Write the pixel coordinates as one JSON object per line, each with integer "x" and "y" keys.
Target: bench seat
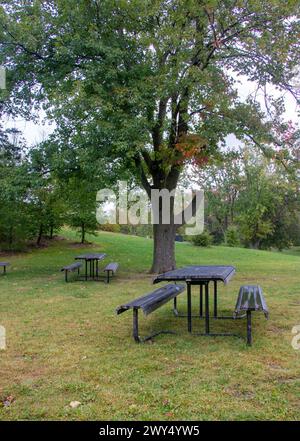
{"x": 70, "y": 268}
{"x": 149, "y": 303}
{"x": 250, "y": 298}
{"x": 4, "y": 265}
{"x": 110, "y": 269}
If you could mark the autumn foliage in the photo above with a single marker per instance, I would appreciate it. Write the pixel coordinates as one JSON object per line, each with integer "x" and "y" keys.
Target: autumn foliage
{"x": 192, "y": 148}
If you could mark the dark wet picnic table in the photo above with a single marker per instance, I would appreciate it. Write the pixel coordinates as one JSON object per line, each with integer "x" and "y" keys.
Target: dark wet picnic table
{"x": 200, "y": 275}
{"x": 91, "y": 259}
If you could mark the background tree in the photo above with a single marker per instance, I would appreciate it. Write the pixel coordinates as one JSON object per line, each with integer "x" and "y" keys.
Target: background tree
{"x": 14, "y": 214}
{"x": 252, "y": 201}
{"x": 151, "y": 83}
{"x": 81, "y": 206}
{"x": 46, "y": 202}
{"x": 221, "y": 182}
{"x": 268, "y": 206}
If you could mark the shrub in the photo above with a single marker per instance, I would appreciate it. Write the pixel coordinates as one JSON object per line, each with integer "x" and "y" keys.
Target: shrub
{"x": 111, "y": 228}
{"x": 202, "y": 240}
{"x": 232, "y": 237}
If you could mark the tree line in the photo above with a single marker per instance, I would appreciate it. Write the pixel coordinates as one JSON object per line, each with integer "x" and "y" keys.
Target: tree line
{"x": 41, "y": 190}
{"x": 251, "y": 201}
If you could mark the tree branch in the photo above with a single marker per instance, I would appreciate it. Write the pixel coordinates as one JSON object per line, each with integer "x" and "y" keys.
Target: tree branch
{"x": 143, "y": 178}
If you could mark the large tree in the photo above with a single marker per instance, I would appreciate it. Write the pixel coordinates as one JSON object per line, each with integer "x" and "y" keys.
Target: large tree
{"x": 151, "y": 83}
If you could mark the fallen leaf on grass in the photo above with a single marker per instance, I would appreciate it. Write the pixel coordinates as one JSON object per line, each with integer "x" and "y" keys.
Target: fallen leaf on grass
{"x": 8, "y": 401}
{"x": 74, "y": 404}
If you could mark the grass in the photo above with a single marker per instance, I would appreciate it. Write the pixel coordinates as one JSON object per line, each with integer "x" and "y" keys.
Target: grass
{"x": 65, "y": 343}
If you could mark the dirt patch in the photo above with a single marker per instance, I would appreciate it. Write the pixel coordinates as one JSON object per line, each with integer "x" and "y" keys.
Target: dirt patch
{"x": 83, "y": 245}
{"x": 240, "y": 393}
{"x": 30, "y": 246}
{"x": 287, "y": 380}
{"x": 275, "y": 366}
{"x": 275, "y": 329}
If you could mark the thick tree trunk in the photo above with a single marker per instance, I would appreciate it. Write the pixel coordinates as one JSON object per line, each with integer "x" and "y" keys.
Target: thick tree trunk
{"x": 164, "y": 248}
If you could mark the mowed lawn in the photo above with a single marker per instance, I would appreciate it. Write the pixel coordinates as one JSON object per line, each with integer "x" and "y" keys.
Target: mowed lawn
{"x": 65, "y": 342}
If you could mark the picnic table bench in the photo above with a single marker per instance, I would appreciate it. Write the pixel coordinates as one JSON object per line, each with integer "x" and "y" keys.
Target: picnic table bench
{"x": 250, "y": 298}
{"x": 149, "y": 303}
{"x": 70, "y": 268}
{"x": 111, "y": 268}
{"x": 4, "y": 265}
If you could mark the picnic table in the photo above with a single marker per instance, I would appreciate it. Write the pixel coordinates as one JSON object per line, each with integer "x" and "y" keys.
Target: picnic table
{"x": 4, "y": 265}
{"x": 202, "y": 276}
{"x": 91, "y": 259}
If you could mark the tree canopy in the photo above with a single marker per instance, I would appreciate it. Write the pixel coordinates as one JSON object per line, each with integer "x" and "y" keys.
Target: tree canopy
{"x": 152, "y": 85}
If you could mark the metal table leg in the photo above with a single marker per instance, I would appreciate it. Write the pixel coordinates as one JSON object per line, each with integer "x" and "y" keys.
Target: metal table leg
{"x": 249, "y": 329}
{"x": 86, "y": 270}
{"x": 215, "y": 299}
{"x": 189, "y": 307}
{"x": 207, "y": 318}
{"x": 207, "y": 308}
{"x": 201, "y": 301}
{"x": 136, "y": 336}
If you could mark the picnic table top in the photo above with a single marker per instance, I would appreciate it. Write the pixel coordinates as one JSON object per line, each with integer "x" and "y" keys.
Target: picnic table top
{"x": 4, "y": 263}
{"x": 91, "y": 256}
{"x": 198, "y": 273}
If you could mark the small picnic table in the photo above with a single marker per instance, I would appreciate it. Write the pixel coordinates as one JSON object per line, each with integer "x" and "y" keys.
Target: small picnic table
{"x": 93, "y": 260}
{"x": 4, "y": 265}
{"x": 200, "y": 275}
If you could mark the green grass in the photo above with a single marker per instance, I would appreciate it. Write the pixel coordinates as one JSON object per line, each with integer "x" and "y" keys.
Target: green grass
{"x": 65, "y": 343}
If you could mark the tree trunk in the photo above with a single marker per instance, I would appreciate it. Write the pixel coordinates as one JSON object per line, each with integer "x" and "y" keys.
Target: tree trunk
{"x": 164, "y": 248}
{"x": 51, "y": 231}
{"x": 11, "y": 236}
{"x": 82, "y": 232}
{"x": 39, "y": 238}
